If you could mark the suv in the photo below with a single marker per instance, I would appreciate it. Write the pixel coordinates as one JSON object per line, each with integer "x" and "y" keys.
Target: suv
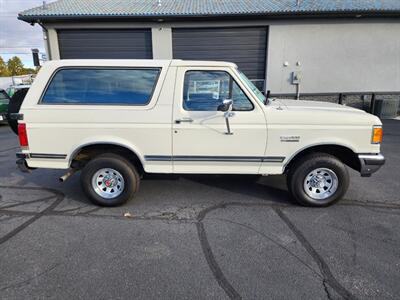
{"x": 117, "y": 119}
{"x": 4, "y": 101}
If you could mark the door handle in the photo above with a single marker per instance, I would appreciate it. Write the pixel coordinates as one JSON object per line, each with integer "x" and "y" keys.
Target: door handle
{"x": 184, "y": 120}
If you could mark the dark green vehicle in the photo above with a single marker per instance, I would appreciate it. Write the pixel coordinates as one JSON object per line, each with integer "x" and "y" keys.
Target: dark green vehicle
{"x": 4, "y": 101}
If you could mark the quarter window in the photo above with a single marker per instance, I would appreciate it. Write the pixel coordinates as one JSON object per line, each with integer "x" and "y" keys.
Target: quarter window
{"x": 102, "y": 86}
{"x": 206, "y": 90}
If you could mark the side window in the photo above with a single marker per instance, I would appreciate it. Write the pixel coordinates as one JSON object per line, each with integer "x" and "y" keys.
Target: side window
{"x": 206, "y": 90}
{"x": 101, "y": 86}
{"x": 3, "y": 98}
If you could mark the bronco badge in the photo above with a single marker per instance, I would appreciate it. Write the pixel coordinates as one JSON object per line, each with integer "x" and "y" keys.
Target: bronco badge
{"x": 290, "y": 138}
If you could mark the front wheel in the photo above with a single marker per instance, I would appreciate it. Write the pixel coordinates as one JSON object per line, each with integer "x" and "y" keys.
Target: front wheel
{"x": 109, "y": 180}
{"x": 318, "y": 180}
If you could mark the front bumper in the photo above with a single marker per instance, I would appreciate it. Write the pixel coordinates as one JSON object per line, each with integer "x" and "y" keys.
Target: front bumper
{"x": 370, "y": 163}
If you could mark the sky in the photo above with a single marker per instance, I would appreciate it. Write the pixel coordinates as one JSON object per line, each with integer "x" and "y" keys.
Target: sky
{"x": 17, "y": 38}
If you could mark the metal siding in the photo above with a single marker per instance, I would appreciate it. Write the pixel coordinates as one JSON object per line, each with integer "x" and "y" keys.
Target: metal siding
{"x": 105, "y": 43}
{"x": 244, "y": 46}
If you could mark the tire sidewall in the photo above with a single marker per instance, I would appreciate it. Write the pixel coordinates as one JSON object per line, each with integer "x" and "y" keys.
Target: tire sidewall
{"x": 303, "y": 169}
{"x": 124, "y": 167}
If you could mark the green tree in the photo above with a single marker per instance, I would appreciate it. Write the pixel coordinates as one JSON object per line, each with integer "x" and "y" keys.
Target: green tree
{"x": 3, "y": 68}
{"x": 15, "y": 66}
{"x": 29, "y": 71}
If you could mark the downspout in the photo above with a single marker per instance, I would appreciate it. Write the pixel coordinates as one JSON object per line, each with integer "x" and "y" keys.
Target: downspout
{"x": 46, "y": 38}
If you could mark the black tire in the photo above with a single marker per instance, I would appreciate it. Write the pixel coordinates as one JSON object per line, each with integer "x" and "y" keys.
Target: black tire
{"x": 14, "y": 106}
{"x": 113, "y": 161}
{"x": 298, "y": 172}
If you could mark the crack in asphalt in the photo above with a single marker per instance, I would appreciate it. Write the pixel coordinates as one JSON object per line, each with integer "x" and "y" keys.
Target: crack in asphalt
{"x": 273, "y": 241}
{"x": 325, "y": 270}
{"x": 373, "y": 204}
{"x": 58, "y": 197}
{"x": 213, "y": 264}
{"x": 27, "y": 202}
{"x": 325, "y": 284}
{"x": 223, "y": 282}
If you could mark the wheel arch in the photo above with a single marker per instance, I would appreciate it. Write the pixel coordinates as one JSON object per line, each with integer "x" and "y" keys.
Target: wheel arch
{"x": 88, "y": 151}
{"x": 344, "y": 153}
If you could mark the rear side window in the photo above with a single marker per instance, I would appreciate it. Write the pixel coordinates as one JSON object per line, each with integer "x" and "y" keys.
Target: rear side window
{"x": 101, "y": 86}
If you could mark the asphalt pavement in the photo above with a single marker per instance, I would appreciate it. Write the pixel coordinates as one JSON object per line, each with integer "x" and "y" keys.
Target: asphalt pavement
{"x": 198, "y": 237}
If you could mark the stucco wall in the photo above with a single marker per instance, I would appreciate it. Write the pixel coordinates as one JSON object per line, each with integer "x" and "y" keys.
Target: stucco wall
{"x": 346, "y": 57}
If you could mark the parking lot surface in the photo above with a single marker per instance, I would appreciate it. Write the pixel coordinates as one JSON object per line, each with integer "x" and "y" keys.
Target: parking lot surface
{"x": 198, "y": 237}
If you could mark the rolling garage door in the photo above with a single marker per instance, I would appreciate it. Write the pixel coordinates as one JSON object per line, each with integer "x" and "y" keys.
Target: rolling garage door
{"x": 244, "y": 46}
{"x": 105, "y": 43}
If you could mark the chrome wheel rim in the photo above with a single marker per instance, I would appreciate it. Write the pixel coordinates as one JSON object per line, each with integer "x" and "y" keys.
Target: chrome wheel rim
{"x": 321, "y": 183}
{"x": 108, "y": 183}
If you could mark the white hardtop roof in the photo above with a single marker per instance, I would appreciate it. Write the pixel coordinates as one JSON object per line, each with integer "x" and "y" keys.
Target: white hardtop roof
{"x": 137, "y": 63}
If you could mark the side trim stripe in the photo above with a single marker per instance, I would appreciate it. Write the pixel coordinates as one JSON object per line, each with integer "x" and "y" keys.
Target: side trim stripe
{"x": 51, "y": 156}
{"x": 215, "y": 158}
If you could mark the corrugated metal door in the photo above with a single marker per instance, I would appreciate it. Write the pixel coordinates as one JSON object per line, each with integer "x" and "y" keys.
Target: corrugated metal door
{"x": 245, "y": 46}
{"x": 105, "y": 43}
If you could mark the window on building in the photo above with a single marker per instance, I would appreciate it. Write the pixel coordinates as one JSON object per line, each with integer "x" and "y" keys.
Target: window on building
{"x": 206, "y": 90}
{"x": 102, "y": 86}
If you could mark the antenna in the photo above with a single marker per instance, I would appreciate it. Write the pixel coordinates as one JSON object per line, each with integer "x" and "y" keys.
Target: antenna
{"x": 44, "y": 5}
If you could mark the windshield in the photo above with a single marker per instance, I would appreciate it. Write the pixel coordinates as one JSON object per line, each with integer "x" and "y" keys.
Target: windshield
{"x": 251, "y": 85}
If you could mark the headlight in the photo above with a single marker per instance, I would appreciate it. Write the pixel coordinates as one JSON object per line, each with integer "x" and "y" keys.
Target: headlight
{"x": 377, "y": 135}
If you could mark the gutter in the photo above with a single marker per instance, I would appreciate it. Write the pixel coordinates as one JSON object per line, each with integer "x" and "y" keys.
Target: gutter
{"x": 185, "y": 17}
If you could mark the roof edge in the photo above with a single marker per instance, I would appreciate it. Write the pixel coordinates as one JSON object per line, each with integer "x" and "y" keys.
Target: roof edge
{"x": 328, "y": 14}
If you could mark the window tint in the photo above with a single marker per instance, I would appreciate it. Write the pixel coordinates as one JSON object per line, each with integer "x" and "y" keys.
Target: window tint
{"x": 3, "y": 97}
{"x": 102, "y": 86}
{"x": 206, "y": 90}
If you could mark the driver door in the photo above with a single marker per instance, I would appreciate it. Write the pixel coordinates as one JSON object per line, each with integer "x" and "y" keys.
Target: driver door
{"x": 201, "y": 143}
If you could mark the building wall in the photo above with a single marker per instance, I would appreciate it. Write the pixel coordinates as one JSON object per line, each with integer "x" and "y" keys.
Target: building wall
{"x": 347, "y": 57}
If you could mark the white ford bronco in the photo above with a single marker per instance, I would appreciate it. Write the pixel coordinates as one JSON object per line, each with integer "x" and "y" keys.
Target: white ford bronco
{"x": 117, "y": 119}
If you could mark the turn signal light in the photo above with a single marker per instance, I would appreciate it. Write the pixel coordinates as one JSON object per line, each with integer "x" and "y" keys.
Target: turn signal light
{"x": 23, "y": 136}
{"x": 377, "y": 135}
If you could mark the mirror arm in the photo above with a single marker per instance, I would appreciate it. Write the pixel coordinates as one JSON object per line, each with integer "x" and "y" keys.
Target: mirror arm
{"x": 228, "y": 127}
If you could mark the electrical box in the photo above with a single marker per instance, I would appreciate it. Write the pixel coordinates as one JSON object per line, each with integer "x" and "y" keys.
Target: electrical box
{"x": 296, "y": 77}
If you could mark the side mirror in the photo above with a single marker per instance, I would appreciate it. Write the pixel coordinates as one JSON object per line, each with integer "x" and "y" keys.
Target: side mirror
{"x": 227, "y": 105}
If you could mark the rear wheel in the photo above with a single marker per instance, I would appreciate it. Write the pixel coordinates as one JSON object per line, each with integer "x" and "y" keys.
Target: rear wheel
{"x": 109, "y": 180}
{"x": 318, "y": 180}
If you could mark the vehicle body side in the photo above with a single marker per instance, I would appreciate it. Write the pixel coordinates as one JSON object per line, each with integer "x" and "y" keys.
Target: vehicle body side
{"x": 264, "y": 141}
{"x": 4, "y": 101}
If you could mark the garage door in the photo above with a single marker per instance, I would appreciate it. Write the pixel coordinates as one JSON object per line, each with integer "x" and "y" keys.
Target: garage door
{"x": 244, "y": 46}
{"x": 105, "y": 43}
